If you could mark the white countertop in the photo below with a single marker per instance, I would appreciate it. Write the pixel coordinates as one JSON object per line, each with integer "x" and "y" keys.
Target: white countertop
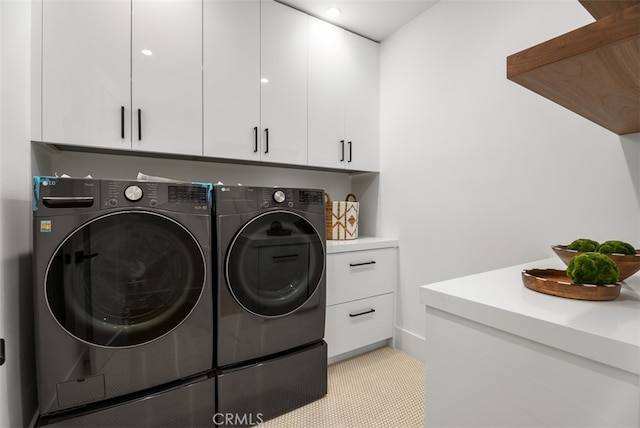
{"x": 604, "y": 331}
{"x": 362, "y": 243}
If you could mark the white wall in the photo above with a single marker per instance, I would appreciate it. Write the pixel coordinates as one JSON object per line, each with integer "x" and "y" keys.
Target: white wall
{"x": 78, "y": 164}
{"x": 477, "y": 172}
{"x": 17, "y": 378}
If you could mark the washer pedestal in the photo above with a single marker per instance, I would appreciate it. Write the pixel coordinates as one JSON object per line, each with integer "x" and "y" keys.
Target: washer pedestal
{"x": 190, "y": 404}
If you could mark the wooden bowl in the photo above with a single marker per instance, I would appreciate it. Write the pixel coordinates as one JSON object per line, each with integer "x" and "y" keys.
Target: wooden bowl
{"x": 556, "y": 283}
{"x": 628, "y": 264}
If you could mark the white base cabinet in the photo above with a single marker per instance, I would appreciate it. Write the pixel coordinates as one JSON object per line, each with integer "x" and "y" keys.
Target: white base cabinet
{"x": 356, "y": 324}
{"x": 360, "y": 295}
{"x": 500, "y": 355}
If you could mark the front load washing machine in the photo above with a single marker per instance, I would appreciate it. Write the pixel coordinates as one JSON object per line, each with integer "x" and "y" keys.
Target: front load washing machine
{"x": 270, "y": 312}
{"x": 123, "y": 299}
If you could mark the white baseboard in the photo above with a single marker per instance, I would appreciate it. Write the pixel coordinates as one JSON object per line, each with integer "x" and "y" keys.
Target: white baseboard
{"x": 356, "y": 352}
{"x": 409, "y": 343}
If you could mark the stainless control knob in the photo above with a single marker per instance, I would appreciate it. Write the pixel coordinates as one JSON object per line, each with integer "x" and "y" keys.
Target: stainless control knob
{"x": 279, "y": 196}
{"x": 133, "y": 193}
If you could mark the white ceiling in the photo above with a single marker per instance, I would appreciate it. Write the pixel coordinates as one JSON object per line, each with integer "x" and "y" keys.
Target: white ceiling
{"x": 374, "y": 19}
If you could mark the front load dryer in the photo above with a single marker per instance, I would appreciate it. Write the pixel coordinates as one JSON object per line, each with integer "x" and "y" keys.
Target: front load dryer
{"x": 123, "y": 299}
{"x": 271, "y": 287}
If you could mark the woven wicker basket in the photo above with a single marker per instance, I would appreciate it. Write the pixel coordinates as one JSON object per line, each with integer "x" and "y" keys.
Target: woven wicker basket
{"x": 342, "y": 218}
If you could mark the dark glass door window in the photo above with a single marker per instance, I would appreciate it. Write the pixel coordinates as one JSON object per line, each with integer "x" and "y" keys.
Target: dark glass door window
{"x": 125, "y": 279}
{"x": 275, "y": 263}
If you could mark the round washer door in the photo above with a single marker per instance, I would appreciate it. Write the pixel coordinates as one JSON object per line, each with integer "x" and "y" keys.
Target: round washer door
{"x": 125, "y": 279}
{"x": 275, "y": 263}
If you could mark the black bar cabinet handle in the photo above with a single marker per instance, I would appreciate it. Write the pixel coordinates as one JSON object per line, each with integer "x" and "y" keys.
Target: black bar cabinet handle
{"x": 122, "y": 122}
{"x": 255, "y": 139}
{"x": 350, "y": 152}
{"x": 372, "y": 262}
{"x": 139, "y": 124}
{"x": 1, "y": 352}
{"x": 266, "y": 140}
{"x": 357, "y": 314}
{"x": 342, "y": 145}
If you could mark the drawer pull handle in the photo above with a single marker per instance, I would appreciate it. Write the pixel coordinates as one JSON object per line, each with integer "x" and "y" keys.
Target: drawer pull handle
{"x": 357, "y": 314}
{"x": 372, "y": 262}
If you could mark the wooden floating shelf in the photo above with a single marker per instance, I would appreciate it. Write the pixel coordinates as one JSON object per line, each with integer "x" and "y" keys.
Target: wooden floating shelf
{"x": 601, "y": 8}
{"x": 593, "y": 71}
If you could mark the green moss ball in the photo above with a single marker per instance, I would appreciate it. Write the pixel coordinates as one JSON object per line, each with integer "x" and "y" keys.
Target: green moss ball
{"x": 618, "y": 247}
{"x": 592, "y": 268}
{"x": 584, "y": 245}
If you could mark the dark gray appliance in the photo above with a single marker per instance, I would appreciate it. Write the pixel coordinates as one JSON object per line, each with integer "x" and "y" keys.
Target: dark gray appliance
{"x": 123, "y": 299}
{"x": 271, "y": 289}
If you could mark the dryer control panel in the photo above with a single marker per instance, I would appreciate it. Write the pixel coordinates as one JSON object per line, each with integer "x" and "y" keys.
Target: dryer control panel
{"x": 302, "y": 199}
{"x": 244, "y": 199}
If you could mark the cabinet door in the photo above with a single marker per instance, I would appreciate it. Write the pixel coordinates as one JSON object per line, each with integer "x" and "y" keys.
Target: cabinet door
{"x": 232, "y": 79}
{"x": 359, "y": 323}
{"x": 284, "y": 84}
{"x": 362, "y": 108}
{"x": 167, "y": 80}
{"x": 86, "y": 73}
{"x": 326, "y": 142}
{"x": 355, "y": 275}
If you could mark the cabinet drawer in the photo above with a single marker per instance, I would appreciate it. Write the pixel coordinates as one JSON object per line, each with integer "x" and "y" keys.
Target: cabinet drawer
{"x": 356, "y": 324}
{"x": 359, "y": 274}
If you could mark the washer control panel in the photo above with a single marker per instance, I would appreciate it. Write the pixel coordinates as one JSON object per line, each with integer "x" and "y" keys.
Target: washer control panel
{"x": 133, "y": 193}
{"x": 171, "y": 196}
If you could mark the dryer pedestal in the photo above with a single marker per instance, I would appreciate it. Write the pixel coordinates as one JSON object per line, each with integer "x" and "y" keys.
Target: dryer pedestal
{"x": 250, "y": 394}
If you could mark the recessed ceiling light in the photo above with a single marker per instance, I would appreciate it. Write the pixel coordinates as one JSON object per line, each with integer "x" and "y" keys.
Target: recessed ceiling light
{"x": 332, "y": 12}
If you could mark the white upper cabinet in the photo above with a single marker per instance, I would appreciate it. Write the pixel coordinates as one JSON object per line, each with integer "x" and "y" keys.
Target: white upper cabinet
{"x": 86, "y": 73}
{"x": 232, "y": 79}
{"x": 255, "y": 74}
{"x": 283, "y": 77}
{"x": 246, "y": 80}
{"x": 362, "y": 109}
{"x": 96, "y": 82}
{"x": 166, "y": 79}
{"x": 343, "y": 99}
{"x": 327, "y": 87}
